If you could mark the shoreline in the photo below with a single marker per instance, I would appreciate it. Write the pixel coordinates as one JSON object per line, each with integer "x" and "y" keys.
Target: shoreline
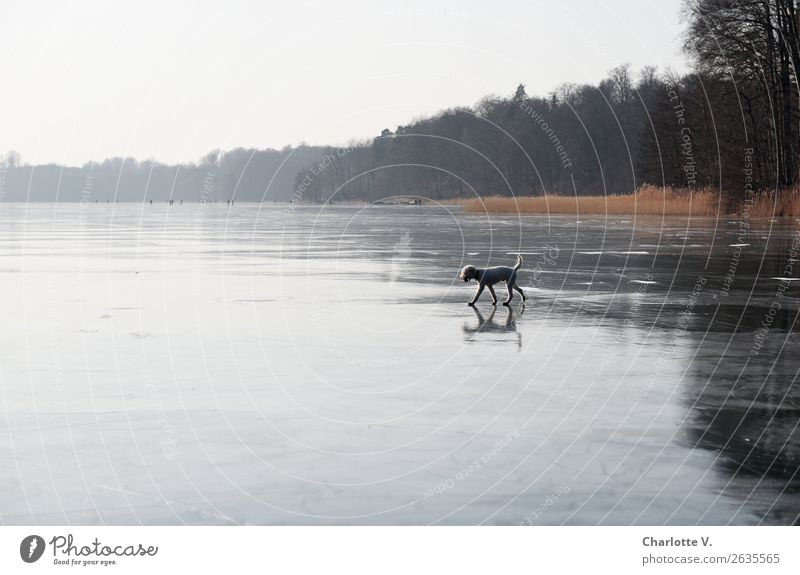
{"x": 650, "y": 201}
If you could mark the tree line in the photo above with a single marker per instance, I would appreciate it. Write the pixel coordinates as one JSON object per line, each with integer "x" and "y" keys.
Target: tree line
{"x": 732, "y": 124}
{"x": 239, "y": 175}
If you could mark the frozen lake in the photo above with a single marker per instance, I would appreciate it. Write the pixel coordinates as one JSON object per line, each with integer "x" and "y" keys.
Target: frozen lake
{"x": 202, "y": 364}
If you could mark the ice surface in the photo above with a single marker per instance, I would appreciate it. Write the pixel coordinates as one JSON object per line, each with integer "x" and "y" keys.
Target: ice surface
{"x": 208, "y": 364}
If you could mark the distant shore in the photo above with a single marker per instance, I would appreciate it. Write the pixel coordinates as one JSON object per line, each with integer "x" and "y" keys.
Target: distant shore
{"x": 648, "y": 200}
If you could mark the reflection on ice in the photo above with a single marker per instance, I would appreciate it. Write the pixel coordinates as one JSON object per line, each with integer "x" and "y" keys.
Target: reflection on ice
{"x": 488, "y": 328}
{"x": 319, "y": 365}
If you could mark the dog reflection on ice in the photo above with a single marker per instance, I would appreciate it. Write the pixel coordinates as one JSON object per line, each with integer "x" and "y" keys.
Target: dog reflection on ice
{"x": 486, "y": 326}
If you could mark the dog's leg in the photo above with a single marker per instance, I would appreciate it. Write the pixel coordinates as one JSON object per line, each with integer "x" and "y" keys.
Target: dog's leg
{"x": 477, "y": 294}
{"x": 519, "y": 289}
{"x": 510, "y": 293}
{"x": 494, "y": 296}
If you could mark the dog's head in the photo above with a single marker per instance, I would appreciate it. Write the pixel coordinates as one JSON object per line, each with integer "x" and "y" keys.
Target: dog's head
{"x": 468, "y": 273}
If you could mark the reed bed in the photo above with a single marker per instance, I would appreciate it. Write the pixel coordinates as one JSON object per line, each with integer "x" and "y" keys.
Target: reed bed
{"x": 785, "y": 204}
{"x": 646, "y": 201}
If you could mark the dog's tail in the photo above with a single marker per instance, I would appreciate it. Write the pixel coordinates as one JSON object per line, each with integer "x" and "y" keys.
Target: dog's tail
{"x": 519, "y": 262}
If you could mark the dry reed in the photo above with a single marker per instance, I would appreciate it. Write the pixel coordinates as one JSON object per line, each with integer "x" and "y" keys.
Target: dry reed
{"x": 784, "y": 204}
{"x": 646, "y": 201}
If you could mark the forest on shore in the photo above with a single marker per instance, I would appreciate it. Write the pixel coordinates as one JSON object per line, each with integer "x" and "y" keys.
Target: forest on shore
{"x": 732, "y": 124}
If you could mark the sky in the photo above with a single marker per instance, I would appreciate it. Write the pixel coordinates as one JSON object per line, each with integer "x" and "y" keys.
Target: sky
{"x": 87, "y": 80}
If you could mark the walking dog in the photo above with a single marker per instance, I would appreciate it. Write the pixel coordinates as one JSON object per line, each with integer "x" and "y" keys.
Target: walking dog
{"x": 488, "y": 277}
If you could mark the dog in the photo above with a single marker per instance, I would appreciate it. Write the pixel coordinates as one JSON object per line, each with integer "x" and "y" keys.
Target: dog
{"x": 490, "y": 276}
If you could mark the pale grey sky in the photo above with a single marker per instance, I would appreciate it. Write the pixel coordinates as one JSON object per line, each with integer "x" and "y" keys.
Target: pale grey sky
{"x": 84, "y": 80}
